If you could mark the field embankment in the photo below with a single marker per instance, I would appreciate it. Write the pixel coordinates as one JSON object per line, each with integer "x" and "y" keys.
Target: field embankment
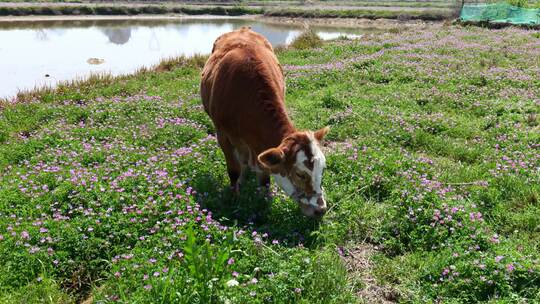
{"x": 226, "y": 9}
{"x": 115, "y": 189}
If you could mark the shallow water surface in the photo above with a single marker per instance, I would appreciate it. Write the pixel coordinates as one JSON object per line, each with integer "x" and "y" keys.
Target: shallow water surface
{"x": 41, "y": 53}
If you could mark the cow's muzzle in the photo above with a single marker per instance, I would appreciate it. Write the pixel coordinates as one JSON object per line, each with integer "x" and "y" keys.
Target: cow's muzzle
{"x": 312, "y": 206}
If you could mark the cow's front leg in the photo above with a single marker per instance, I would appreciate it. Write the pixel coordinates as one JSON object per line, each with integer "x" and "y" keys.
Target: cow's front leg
{"x": 263, "y": 179}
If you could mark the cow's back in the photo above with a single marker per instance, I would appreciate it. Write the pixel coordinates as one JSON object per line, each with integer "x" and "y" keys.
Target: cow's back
{"x": 242, "y": 87}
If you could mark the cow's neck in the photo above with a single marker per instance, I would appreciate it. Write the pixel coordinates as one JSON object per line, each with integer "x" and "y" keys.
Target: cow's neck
{"x": 274, "y": 122}
{"x": 283, "y": 131}
{"x": 271, "y": 136}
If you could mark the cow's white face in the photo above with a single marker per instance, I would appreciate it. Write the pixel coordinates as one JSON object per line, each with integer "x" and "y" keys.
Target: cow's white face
{"x": 297, "y": 166}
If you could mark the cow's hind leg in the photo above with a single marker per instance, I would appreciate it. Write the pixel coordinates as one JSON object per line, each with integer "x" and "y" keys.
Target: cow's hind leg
{"x": 234, "y": 168}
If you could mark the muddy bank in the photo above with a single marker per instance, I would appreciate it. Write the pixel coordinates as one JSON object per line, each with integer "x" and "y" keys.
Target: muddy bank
{"x": 362, "y": 23}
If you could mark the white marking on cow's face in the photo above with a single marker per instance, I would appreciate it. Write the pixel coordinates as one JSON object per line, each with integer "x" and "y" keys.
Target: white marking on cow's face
{"x": 319, "y": 163}
{"x": 306, "y": 177}
{"x": 300, "y": 161}
{"x": 285, "y": 183}
{"x": 312, "y": 201}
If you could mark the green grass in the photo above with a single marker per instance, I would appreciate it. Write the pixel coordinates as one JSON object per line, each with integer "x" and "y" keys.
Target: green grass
{"x": 115, "y": 188}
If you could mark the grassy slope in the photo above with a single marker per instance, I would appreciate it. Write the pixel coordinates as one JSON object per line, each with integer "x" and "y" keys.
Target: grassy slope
{"x": 220, "y": 9}
{"x": 116, "y": 189}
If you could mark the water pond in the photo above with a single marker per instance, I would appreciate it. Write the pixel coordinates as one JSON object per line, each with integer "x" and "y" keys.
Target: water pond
{"x": 42, "y": 53}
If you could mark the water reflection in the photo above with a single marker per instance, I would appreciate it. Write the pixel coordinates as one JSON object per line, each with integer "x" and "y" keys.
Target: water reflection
{"x": 117, "y": 35}
{"x": 274, "y": 34}
{"x": 62, "y": 48}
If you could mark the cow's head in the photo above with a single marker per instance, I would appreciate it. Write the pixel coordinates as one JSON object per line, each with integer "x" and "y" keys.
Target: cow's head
{"x": 297, "y": 166}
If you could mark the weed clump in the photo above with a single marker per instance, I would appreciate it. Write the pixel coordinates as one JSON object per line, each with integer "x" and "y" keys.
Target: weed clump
{"x": 307, "y": 40}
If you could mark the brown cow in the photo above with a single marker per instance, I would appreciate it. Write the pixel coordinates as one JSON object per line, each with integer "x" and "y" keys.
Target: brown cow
{"x": 243, "y": 92}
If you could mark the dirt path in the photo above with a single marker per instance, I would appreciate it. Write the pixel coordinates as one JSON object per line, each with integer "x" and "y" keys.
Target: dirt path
{"x": 358, "y": 261}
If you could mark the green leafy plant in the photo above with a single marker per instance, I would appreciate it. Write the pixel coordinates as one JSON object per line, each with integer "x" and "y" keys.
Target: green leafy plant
{"x": 207, "y": 264}
{"x": 306, "y": 40}
{"x": 518, "y": 3}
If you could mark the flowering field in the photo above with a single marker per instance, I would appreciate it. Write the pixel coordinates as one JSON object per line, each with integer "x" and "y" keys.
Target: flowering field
{"x": 115, "y": 191}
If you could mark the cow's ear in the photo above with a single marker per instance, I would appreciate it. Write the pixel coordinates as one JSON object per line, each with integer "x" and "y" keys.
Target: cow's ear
{"x": 272, "y": 159}
{"x": 320, "y": 134}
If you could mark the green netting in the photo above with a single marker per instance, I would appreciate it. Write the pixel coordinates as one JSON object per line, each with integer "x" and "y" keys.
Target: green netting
{"x": 500, "y": 13}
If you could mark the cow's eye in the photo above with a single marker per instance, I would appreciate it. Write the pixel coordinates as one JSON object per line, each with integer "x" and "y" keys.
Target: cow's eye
{"x": 302, "y": 176}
